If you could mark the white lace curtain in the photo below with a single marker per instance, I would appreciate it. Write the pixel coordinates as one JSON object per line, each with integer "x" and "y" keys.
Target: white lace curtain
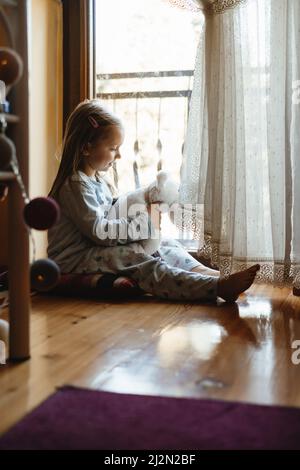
{"x": 241, "y": 158}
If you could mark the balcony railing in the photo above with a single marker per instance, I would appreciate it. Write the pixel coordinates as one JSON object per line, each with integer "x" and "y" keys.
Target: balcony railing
{"x": 139, "y": 94}
{"x": 119, "y": 87}
{"x": 146, "y": 94}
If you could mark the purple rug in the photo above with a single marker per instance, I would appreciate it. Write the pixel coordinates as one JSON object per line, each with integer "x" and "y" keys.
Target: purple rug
{"x": 74, "y": 418}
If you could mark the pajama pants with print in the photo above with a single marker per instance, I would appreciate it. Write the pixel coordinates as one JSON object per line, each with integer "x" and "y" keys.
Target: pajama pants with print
{"x": 165, "y": 274}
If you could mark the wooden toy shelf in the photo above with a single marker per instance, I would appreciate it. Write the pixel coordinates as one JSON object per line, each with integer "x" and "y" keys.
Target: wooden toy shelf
{"x": 14, "y": 34}
{"x": 18, "y": 270}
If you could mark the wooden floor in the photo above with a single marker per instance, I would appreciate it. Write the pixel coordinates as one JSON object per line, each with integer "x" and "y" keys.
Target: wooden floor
{"x": 240, "y": 351}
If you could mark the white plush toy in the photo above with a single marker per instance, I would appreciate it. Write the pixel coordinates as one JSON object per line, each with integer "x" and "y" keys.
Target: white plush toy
{"x": 163, "y": 190}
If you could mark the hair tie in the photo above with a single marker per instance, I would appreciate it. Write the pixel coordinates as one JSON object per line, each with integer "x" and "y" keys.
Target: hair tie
{"x": 93, "y": 122}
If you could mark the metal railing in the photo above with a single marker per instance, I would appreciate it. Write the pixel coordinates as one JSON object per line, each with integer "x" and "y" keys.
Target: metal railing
{"x": 145, "y": 94}
{"x": 138, "y": 94}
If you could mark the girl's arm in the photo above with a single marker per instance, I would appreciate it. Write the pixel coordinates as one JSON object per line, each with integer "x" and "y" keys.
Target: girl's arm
{"x": 80, "y": 204}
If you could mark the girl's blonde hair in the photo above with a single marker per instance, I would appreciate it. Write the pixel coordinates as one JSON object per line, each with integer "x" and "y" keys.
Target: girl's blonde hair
{"x": 89, "y": 122}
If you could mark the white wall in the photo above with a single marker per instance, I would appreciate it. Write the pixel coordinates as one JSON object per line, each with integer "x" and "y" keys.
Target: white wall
{"x": 45, "y": 82}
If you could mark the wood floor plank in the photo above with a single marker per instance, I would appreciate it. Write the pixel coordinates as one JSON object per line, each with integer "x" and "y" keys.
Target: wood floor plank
{"x": 238, "y": 351}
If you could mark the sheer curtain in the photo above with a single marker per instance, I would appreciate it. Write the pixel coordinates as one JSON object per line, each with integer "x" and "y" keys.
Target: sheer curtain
{"x": 241, "y": 162}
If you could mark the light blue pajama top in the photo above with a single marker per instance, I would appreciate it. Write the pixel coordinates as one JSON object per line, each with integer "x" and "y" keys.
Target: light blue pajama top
{"x": 79, "y": 238}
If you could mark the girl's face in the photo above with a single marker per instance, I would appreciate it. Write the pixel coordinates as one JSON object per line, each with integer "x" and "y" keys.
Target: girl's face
{"x": 102, "y": 154}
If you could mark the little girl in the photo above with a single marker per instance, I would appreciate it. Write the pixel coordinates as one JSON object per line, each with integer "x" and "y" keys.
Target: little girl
{"x": 80, "y": 241}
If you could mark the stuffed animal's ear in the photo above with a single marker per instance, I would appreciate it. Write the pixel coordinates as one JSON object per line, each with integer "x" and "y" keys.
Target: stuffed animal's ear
{"x": 161, "y": 177}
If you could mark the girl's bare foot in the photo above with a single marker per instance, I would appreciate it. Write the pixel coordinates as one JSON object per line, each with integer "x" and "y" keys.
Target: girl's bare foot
{"x": 206, "y": 271}
{"x": 229, "y": 289}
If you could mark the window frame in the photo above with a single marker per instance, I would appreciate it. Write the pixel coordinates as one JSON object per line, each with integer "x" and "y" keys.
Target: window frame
{"x": 79, "y": 82}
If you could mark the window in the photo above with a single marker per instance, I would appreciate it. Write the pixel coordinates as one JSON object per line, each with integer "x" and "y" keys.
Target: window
{"x": 145, "y": 54}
